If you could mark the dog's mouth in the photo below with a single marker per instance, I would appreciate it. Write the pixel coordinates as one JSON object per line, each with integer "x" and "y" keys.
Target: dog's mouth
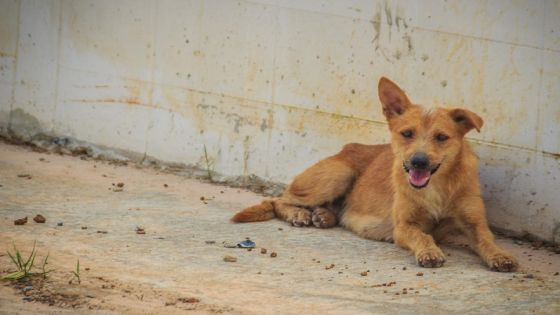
{"x": 419, "y": 178}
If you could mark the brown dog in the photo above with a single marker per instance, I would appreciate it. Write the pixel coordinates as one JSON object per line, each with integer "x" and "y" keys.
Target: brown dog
{"x": 419, "y": 188}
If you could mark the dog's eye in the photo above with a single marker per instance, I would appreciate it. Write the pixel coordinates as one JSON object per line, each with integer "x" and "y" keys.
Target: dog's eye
{"x": 441, "y": 137}
{"x": 407, "y": 133}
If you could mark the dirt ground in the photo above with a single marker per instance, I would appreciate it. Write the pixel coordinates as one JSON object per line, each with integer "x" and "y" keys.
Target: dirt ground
{"x": 177, "y": 264}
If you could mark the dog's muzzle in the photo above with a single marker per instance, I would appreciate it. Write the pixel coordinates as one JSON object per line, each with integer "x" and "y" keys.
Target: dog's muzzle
{"x": 419, "y": 170}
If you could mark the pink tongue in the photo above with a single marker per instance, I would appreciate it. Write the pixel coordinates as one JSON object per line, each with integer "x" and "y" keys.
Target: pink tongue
{"x": 418, "y": 177}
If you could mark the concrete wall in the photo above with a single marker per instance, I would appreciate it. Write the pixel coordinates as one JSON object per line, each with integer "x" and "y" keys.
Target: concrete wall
{"x": 269, "y": 87}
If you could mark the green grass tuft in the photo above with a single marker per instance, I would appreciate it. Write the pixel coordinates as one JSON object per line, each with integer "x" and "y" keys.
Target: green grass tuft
{"x": 77, "y": 272}
{"x": 209, "y": 164}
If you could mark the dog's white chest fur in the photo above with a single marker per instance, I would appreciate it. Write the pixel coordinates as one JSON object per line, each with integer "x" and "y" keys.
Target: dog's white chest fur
{"x": 435, "y": 203}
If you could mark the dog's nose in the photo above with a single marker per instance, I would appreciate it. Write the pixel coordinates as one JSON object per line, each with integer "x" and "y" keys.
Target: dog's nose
{"x": 420, "y": 160}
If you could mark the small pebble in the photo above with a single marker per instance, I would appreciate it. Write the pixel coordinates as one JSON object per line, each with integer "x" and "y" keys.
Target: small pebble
{"x": 120, "y": 184}
{"x": 229, "y": 244}
{"x": 228, "y": 258}
{"x": 210, "y": 242}
{"x": 273, "y": 254}
{"x": 263, "y": 250}
{"x": 246, "y": 244}
{"x": 60, "y": 224}
{"x": 363, "y": 273}
{"x": 419, "y": 274}
{"x": 27, "y": 288}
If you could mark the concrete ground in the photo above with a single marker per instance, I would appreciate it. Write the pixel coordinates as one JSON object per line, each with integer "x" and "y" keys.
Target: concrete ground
{"x": 178, "y": 264}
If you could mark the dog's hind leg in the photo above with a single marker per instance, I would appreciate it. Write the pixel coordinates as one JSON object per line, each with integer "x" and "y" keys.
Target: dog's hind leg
{"x": 324, "y": 217}
{"x": 320, "y": 184}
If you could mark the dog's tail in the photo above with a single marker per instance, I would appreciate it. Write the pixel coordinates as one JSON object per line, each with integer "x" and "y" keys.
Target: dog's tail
{"x": 261, "y": 212}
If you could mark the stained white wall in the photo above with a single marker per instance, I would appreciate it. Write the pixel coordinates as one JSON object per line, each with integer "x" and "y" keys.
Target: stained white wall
{"x": 269, "y": 87}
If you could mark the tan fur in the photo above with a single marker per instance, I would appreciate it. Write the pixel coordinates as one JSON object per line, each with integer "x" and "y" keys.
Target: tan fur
{"x": 380, "y": 202}
{"x": 261, "y": 212}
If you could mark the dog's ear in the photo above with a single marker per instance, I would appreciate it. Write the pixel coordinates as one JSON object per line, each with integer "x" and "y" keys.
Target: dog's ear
{"x": 392, "y": 98}
{"x": 466, "y": 119}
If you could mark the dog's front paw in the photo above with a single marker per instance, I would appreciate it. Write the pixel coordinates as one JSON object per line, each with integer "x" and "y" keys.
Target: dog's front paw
{"x": 301, "y": 218}
{"x": 323, "y": 218}
{"x": 503, "y": 262}
{"x": 431, "y": 258}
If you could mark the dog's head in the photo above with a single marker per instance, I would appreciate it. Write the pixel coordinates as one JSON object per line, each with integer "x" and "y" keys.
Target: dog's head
{"x": 424, "y": 141}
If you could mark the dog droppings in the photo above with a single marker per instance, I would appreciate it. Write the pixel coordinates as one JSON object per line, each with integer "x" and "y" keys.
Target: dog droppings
{"x": 263, "y": 250}
{"x": 273, "y": 254}
{"x": 39, "y": 219}
{"x": 188, "y": 300}
{"x": 21, "y": 221}
{"x": 140, "y": 230}
{"x": 120, "y": 185}
{"x": 363, "y": 273}
{"x": 331, "y": 266}
{"x": 419, "y": 274}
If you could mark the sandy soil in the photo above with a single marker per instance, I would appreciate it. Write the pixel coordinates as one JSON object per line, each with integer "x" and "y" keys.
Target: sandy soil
{"x": 178, "y": 265}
